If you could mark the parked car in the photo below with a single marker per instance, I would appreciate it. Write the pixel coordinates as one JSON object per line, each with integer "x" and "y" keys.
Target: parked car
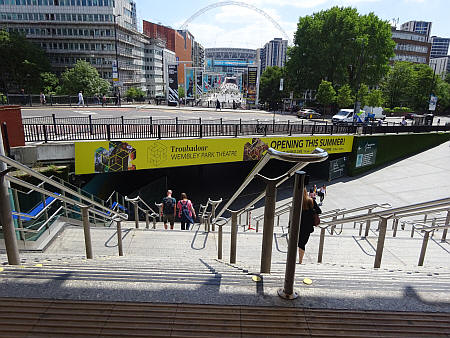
{"x": 307, "y": 114}
{"x": 409, "y": 116}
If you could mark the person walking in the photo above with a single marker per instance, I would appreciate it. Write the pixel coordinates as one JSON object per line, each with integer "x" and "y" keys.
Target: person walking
{"x": 169, "y": 210}
{"x": 218, "y": 105}
{"x": 312, "y": 194}
{"x": 42, "y": 98}
{"x": 309, "y": 209}
{"x": 322, "y": 193}
{"x": 80, "y": 99}
{"x": 103, "y": 100}
{"x": 186, "y": 212}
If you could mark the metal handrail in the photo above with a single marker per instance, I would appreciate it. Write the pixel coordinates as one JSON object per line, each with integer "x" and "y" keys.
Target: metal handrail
{"x": 60, "y": 186}
{"x": 318, "y": 155}
{"x": 39, "y": 214}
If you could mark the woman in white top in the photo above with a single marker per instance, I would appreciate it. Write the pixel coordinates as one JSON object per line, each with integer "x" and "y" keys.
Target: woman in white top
{"x": 322, "y": 192}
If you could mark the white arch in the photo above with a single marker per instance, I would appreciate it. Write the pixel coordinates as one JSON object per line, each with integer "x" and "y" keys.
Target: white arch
{"x": 234, "y": 3}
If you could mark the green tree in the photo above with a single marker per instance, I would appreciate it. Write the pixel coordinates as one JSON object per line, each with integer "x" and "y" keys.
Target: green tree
{"x": 363, "y": 92}
{"x": 447, "y": 78}
{"x": 443, "y": 94}
{"x": 326, "y": 95}
{"x": 21, "y": 63}
{"x": 397, "y": 85}
{"x": 344, "y": 97}
{"x": 181, "y": 92}
{"x": 135, "y": 93}
{"x": 83, "y": 77}
{"x": 269, "y": 87}
{"x": 340, "y": 46}
{"x": 375, "y": 98}
{"x": 423, "y": 84}
{"x": 50, "y": 83}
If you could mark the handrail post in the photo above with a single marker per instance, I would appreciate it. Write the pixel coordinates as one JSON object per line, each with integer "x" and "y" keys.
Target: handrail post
{"x": 147, "y": 220}
{"x": 288, "y": 291}
{"x": 395, "y": 221}
{"x": 447, "y": 222}
{"x": 269, "y": 218}
{"x": 119, "y": 237}
{"x": 234, "y": 229}
{"x": 334, "y": 225}
{"x": 321, "y": 243}
{"x": 380, "y": 244}
{"x": 219, "y": 244}
{"x": 366, "y": 233}
{"x": 87, "y": 232}
{"x": 136, "y": 215}
{"x": 424, "y": 247}
{"x": 90, "y": 124}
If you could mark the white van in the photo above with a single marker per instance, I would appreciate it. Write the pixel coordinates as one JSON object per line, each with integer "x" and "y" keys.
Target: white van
{"x": 375, "y": 112}
{"x": 344, "y": 116}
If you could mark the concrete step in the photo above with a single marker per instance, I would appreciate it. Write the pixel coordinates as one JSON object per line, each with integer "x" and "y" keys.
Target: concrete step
{"x": 51, "y": 318}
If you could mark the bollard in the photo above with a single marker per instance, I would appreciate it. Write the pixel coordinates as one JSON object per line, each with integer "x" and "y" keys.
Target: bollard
{"x": 288, "y": 291}
{"x": 219, "y": 244}
{"x": 380, "y": 244}
{"x": 147, "y": 220}
{"x": 136, "y": 215}
{"x": 257, "y": 226}
{"x": 119, "y": 238}
{"x": 269, "y": 218}
{"x": 321, "y": 243}
{"x": 87, "y": 232}
{"x": 447, "y": 223}
{"x": 154, "y": 222}
{"x": 424, "y": 247}
{"x": 366, "y": 233}
{"x": 412, "y": 230}
{"x": 234, "y": 229}
{"x": 360, "y": 228}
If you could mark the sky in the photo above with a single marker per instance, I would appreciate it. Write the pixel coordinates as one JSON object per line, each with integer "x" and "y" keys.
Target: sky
{"x": 236, "y": 26}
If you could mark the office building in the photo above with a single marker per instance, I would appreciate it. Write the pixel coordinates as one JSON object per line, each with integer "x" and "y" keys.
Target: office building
{"x": 180, "y": 42}
{"x": 274, "y": 53}
{"x": 410, "y": 46}
{"x": 439, "y": 47}
{"x": 441, "y": 66}
{"x": 153, "y": 67}
{"x": 421, "y": 27}
{"x": 198, "y": 55}
{"x": 69, "y": 30}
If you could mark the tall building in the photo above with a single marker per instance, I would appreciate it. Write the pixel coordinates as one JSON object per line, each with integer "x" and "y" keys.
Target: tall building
{"x": 274, "y": 53}
{"x": 410, "y": 46}
{"x": 439, "y": 47}
{"x": 69, "y": 30}
{"x": 421, "y": 27}
{"x": 179, "y": 42}
{"x": 441, "y": 66}
{"x": 153, "y": 66}
{"x": 198, "y": 55}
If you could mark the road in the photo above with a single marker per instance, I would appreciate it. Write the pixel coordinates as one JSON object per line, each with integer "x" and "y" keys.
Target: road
{"x": 185, "y": 113}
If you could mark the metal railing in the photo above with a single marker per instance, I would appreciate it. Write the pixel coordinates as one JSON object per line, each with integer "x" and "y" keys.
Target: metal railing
{"x": 50, "y": 129}
{"x": 300, "y": 160}
{"x": 67, "y": 196}
{"x": 140, "y": 205}
{"x": 383, "y": 216}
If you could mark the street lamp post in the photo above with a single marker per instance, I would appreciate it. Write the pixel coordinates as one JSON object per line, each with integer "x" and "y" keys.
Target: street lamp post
{"x": 117, "y": 58}
{"x": 357, "y": 106}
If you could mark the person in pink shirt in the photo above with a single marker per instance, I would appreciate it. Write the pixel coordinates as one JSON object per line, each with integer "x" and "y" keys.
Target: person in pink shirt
{"x": 186, "y": 212}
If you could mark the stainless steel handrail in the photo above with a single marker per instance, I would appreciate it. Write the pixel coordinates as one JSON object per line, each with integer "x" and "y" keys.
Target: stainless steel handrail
{"x": 39, "y": 214}
{"x": 318, "y": 155}
{"x": 60, "y": 186}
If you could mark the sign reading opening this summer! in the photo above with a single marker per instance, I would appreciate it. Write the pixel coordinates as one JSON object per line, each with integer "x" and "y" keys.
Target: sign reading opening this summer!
{"x": 114, "y": 156}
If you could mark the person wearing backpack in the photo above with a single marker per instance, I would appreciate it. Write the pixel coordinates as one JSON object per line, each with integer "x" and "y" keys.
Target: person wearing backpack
{"x": 169, "y": 210}
{"x": 310, "y": 219}
{"x": 186, "y": 212}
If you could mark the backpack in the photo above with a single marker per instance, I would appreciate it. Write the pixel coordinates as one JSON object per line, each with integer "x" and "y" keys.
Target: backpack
{"x": 185, "y": 212}
{"x": 168, "y": 205}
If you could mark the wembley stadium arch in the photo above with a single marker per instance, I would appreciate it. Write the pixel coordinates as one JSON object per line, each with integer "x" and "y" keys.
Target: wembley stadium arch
{"x": 234, "y": 3}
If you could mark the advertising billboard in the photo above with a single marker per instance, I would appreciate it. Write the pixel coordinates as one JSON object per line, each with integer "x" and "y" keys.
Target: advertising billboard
{"x": 126, "y": 155}
{"x": 189, "y": 82}
{"x": 173, "y": 83}
{"x": 199, "y": 82}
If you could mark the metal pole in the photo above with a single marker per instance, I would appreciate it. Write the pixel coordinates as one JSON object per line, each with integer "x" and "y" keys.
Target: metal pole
{"x": 219, "y": 244}
{"x": 321, "y": 243}
{"x": 136, "y": 215}
{"x": 288, "y": 291}
{"x": 19, "y": 219}
{"x": 394, "y": 234}
{"x": 87, "y": 232}
{"x": 366, "y": 233}
{"x": 444, "y": 232}
{"x": 119, "y": 238}
{"x": 234, "y": 229}
{"x": 269, "y": 218}
{"x": 380, "y": 244}
{"x": 147, "y": 220}
{"x": 6, "y": 219}
{"x": 424, "y": 247}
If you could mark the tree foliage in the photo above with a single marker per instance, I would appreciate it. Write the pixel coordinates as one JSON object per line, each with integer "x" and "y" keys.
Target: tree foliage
{"x": 423, "y": 84}
{"x": 134, "y": 93}
{"x": 326, "y": 94}
{"x": 344, "y": 97}
{"x": 443, "y": 93}
{"x": 363, "y": 93}
{"x": 21, "y": 63}
{"x": 340, "y": 46}
{"x": 180, "y": 91}
{"x": 269, "y": 87}
{"x": 375, "y": 98}
{"x": 50, "y": 83}
{"x": 83, "y": 77}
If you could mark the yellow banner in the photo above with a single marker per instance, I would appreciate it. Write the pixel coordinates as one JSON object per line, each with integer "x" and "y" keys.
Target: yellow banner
{"x": 113, "y": 156}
